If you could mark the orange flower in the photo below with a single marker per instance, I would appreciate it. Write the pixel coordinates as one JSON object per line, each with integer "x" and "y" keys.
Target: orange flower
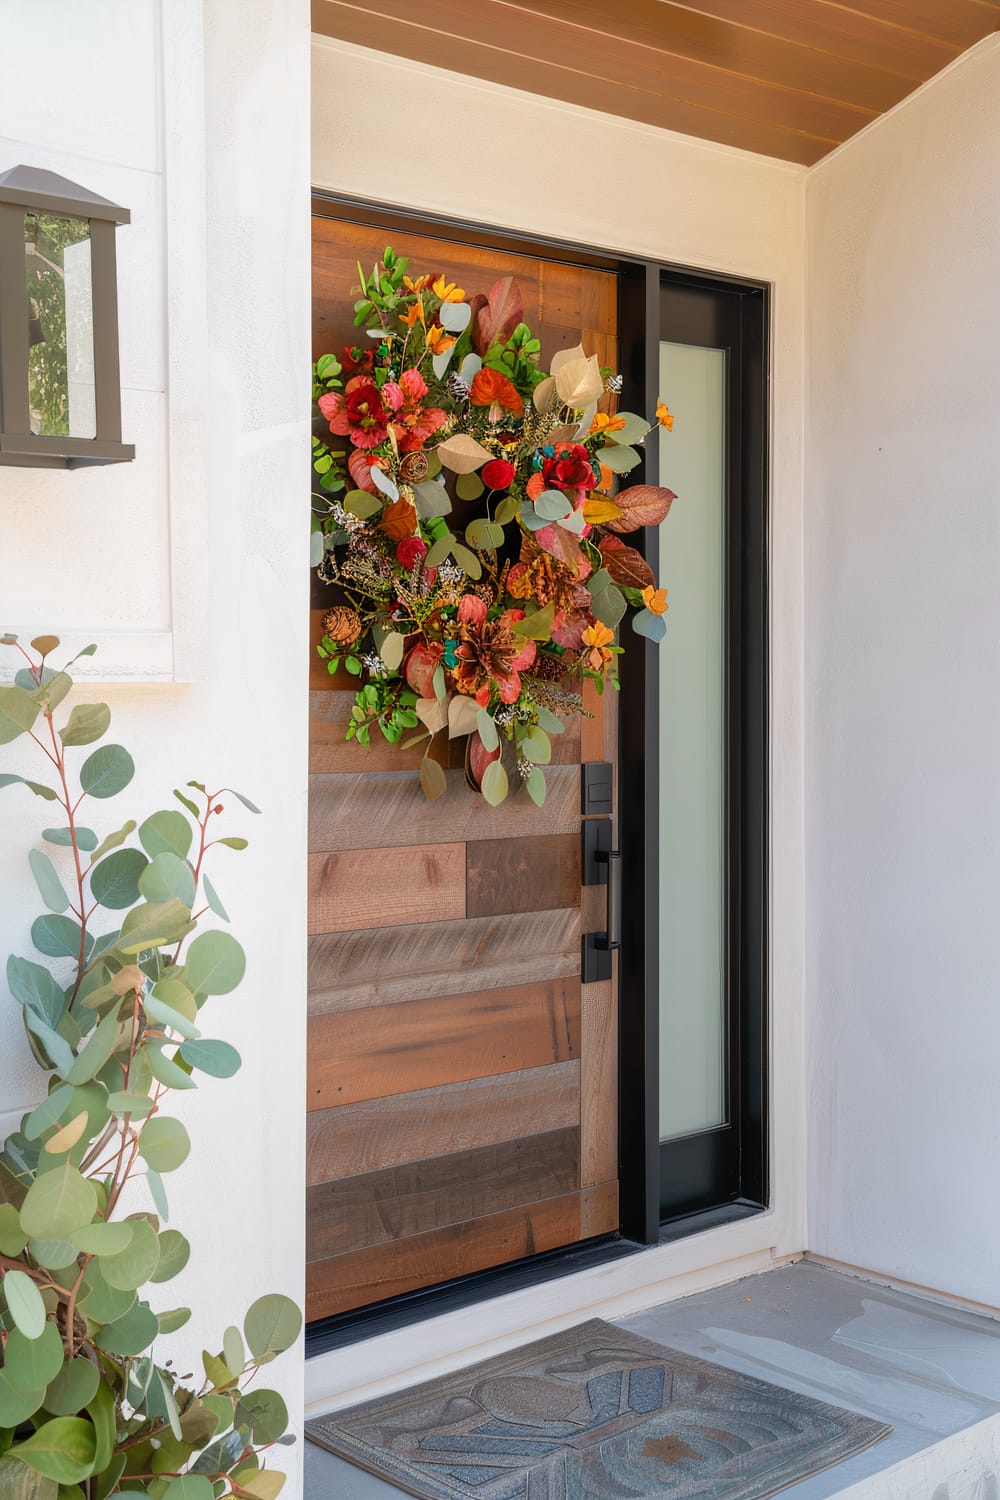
{"x": 438, "y": 341}
{"x": 664, "y": 416}
{"x": 606, "y": 423}
{"x": 596, "y": 638}
{"x": 494, "y": 390}
{"x": 421, "y": 284}
{"x": 655, "y": 600}
{"x": 414, "y": 313}
{"x": 448, "y": 291}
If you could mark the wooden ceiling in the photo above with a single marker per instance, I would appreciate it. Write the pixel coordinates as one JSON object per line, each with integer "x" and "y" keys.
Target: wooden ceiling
{"x": 788, "y": 78}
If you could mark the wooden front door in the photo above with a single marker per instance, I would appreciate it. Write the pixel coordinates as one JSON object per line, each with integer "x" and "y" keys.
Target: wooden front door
{"x": 462, "y": 1086}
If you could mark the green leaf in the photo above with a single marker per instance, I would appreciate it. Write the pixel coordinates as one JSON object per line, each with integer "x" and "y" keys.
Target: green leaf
{"x": 487, "y": 730}
{"x": 18, "y": 712}
{"x": 617, "y": 458}
{"x": 7, "y": 779}
{"x": 174, "y": 1318}
{"x": 103, "y": 1303}
{"x": 264, "y": 1412}
{"x": 115, "y": 881}
{"x": 215, "y": 964}
{"x": 164, "y": 1143}
{"x": 74, "y": 1386}
{"x": 537, "y": 626}
{"x": 114, "y": 839}
{"x": 634, "y": 430}
{"x": 157, "y": 1192}
{"x": 57, "y": 1203}
{"x": 86, "y": 838}
{"x": 131, "y": 1333}
{"x": 152, "y": 925}
{"x": 50, "y": 886}
{"x": 174, "y": 1253}
{"x": 232, "y": 843}
{"x": 59, "y": 1052}
{"x": 609, "y": 606}
{"x": 165, "y": 1070}
{"x": 62, "y": 1449}
{"x": 189, "y": 1487}
{"x": 218, "y": 1059}
{"x": 250, "y": 806}
{"x": 107, "y": 771}
{"x": 537, "y": 747}
{"x": 467, "y": 561}
{"x": 185, "y": 802}
{"x": 549, "y": 722}
{"x": 59, "y": 937}
{"x": 391, "y": 649}
{"x": 102, "y": 1410}
{"x": 99, "y": 1047}
{"x": 86, "y": 723}
{"x": 535, "y": 785}
{"x": 211, "y": 896}
{"x": 272, "y": 1325}
{"x": 25, "y": 1304}
{"x": 48, "y": 1112}
{"x": 12, "y": 1237}
{"x": 168, "y": 877}
{"x": 653, "y": 627}
{"x": 494, "y": 783}
{"x": 469, "y": 486}
{"x": 33, "y": 987}
{"x": 53, "y": 689}
{"x": 122, "y": 1103}
{"x": 168, "y": 832}
{"x": 232, "y": 1350}
{"x": 30, "y": 1363}
{"x": 552, "y": 504}
{"x": 103, "y": 1239}
{"x": 16, "y": 1406}
{"x": 157, "y": 1010}
{"x": 133, "y": 1265}
{"x": 431, "y": 500}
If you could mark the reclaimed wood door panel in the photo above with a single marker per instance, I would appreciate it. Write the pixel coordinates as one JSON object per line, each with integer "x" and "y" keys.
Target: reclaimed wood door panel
{"x": 462, "y": 1082}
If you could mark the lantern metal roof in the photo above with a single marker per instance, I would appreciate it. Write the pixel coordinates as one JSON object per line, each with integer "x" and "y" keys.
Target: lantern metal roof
{"x": 34, "y": 187}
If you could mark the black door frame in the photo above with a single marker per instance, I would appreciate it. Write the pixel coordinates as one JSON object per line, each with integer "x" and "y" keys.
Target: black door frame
{"x": 639, "y": 1161}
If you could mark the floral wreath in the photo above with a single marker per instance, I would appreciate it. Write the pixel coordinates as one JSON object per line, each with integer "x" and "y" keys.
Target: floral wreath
{"x": 472, "y": 526}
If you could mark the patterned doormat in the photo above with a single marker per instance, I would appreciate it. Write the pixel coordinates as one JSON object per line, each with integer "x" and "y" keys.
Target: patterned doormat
{"x": 595, "y": 1413}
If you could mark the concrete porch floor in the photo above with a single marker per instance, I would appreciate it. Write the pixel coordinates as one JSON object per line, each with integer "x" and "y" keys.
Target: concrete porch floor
{"x": 931, "y": 1371}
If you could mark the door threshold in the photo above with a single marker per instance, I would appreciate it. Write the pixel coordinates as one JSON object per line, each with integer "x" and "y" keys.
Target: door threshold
{"x": 466, "y": 1291}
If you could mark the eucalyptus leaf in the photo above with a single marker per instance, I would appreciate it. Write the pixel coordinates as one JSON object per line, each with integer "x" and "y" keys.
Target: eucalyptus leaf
{"x": 59, "y": 937}
{"x": 24, "y": 1302}
{"x": 495, "y": 784}
{"x": 115, "y": 881}
{"x": 218, "y": 1059}
{"x": 552, "y": 504}
{"x": 31, "y": 1362}
{"x": 467, "y": 561}
{"x": 45, "y": 1115}
{"x": 86, "y": 838}
{"x": 86, "y": 723}
{"x": 34, "y": 988}
{"x": 58, "y": 1203}
{"x": 46, "y": 792}
{"x": 535, "y": 786}
{"x": 166, "y": 1070}
{"x": 383, "y": 482}
{"x": 107, "y": 771}
{"x": 132, "y": 1266}
{"x": 164, "y": 1144}
{"x": 272, "y": 1325}
{"x": 113, "y": 840}
{"x": 212, "y": 897}
{"x": 433, "y": 781}
{"x": 620, "y": 460}
{"x": 653, "y": 627}
{"x": 157, "y": 1010}
{"x": 131, "y": 1333}
{"x": 71, "y": 1389}
{"x": 455, "y": 316}
{"x": 487, "y": 730}
{"x": 392, "y": 648}
{"x": 96, "y": 1051}
{"x": 18, "y": 712}
{"x": 174, "y": 1253}
{"x": 51, "y": 888}
{"x": 609, "y": 606}
{"x": 166, "y": 832}
{"x": 215, "y": 964}
{"x": 168, "y": 877}
{"x": 102, "y": 1239}
{"x": 431, "y": 499}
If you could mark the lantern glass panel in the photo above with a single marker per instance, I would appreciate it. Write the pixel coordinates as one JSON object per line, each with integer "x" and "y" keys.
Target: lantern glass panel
{"x": 61, "y": 388}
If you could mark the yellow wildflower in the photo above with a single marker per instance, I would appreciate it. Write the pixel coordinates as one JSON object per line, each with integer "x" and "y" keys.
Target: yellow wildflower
{"x": 655, "y": 600}
{"x": 420, "y": 285}
{"x": 597, "y": 638}
{"x": 448, "y": 291}
{"x": 664, "y": 416}
{"x": 438, "y": 340}
{"x": 606, "y": 423}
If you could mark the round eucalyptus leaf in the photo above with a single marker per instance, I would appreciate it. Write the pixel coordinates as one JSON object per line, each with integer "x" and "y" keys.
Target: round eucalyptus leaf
{"x": 164, "y": 1144}
{"x": 103, "y": 1239}
{"x": 218, "y": 1059}
{"x": 174, "y": 1253}
{"x": 132, "y": 1266}
{"x": 535, "y": 785}
{"x": 58, "y": 1203}
{"x": 74, "y": 1385}
{"x": 30, "y": 1363}
{"x": 107, "y": 771}
{"x": 272, "y": 1324}
{"x": 130, "y": 1334}
{"x": 115, "y": 881}
{"x": 137, "y": 1105}
{"x": 174, "y": 1318}
{"x": 166, "y": 1070}
{"x": 168, "y": 877}
{"x": 215, "y": 964}
{"x": 58, "y": 937}
{"x": 167, "y": 832}
{"x": 25, "y": 1304}
{"x": 62, "y": 1449}
{"x": 85, "y": 837}
{"x": 50, "y": 887}
{"x": 189, "y": 1487}
{"x": 54, "y": 1255}
{"x": 86, "y": 723}
{"x": 264, "y": 1412}
{"x": 101, "y": 1302}
{"x": 232, "y": 1350}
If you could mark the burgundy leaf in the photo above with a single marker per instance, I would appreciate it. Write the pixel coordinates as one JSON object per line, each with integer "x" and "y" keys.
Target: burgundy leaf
{"x": 628, "y": 568}
{"x": 495, "y": 321}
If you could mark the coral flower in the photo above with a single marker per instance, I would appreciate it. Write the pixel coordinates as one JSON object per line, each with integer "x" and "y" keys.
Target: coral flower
{"x": 360, "y": 466}
{"x": 358, "y": 413}
{"x": 411, "y": 422}
{"x": 597, "y": 638}
{"x": 655, "y": 600}
{"x": 447, "y": 290}
{"x": 494, "y": 390}
{"x": 471, "y": 609}
{"x": 664, "y": 416}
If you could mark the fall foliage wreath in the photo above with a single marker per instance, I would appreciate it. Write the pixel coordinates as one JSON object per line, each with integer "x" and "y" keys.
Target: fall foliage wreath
{"x": 469, "y": 515}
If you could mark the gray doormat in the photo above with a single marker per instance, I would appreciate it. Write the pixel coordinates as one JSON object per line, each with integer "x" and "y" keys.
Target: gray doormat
{"x": 595, "y": 1413}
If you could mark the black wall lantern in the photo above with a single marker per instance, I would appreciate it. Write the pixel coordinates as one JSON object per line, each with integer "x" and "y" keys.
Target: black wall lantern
{"x": 60, "y": 390}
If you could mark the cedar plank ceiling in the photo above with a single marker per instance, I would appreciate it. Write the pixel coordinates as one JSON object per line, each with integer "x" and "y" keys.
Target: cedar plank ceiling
{"x": 786, "y": 78}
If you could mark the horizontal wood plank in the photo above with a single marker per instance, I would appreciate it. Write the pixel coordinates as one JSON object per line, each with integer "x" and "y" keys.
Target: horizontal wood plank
{"x": 399, "y": 1201}
{"x": 525, "y": 874}
{"x": 386, "y": 887}
{"x": 359, "y": 1277}
{"x": 351, "y": 970}
{"x": 379, "y": 1133}
{"x": 421, "y": 1044}
{"x": 365, "y": 811}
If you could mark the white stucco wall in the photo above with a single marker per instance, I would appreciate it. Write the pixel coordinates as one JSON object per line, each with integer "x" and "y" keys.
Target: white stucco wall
{"x": 483, "y": 152}
{"x": 903, "y": 689}
{"x": 191, "y": 562}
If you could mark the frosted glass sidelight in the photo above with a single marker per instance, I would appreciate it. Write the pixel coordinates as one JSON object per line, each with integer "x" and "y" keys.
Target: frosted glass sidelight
{"x": 692, "y": 732}
{"x": 57, "y": 269}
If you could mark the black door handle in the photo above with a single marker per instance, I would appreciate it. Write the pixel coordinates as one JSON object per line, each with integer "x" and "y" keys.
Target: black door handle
{"x": 601, "y": 866}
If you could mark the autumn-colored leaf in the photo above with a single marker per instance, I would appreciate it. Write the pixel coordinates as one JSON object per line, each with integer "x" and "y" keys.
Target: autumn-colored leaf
{"x": 628, "y": 568}
{"x": 495, "y": 317}
{"x": 598, "y": 510}
{"x": 399, "y": 519}
{"x": 642, "y": 505}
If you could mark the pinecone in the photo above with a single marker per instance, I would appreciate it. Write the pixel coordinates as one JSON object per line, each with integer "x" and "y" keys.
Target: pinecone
{"x": 342, "y": 624}
{"x": 549, "y": 668}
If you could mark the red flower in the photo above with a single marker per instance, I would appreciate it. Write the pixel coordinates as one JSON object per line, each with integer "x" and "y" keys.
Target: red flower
{"x": 569, "y": 469}
{"x": 410, "y": 551}
{"x": 357, "y": 361}
{"x": 358, "y": 413}
{"x": 498, "y": 474}
{"x": 412, "y": 423}
{"x": 471, "y": 609}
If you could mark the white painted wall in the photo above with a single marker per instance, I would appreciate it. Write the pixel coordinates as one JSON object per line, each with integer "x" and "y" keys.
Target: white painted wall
{"x": 549, "y": 168}
{"x": 903, "y": 689}
{"x": 194, "y": 114}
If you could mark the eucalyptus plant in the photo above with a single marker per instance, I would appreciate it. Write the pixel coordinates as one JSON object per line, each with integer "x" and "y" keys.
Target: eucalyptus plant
{"x": 113, "y": 1013}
